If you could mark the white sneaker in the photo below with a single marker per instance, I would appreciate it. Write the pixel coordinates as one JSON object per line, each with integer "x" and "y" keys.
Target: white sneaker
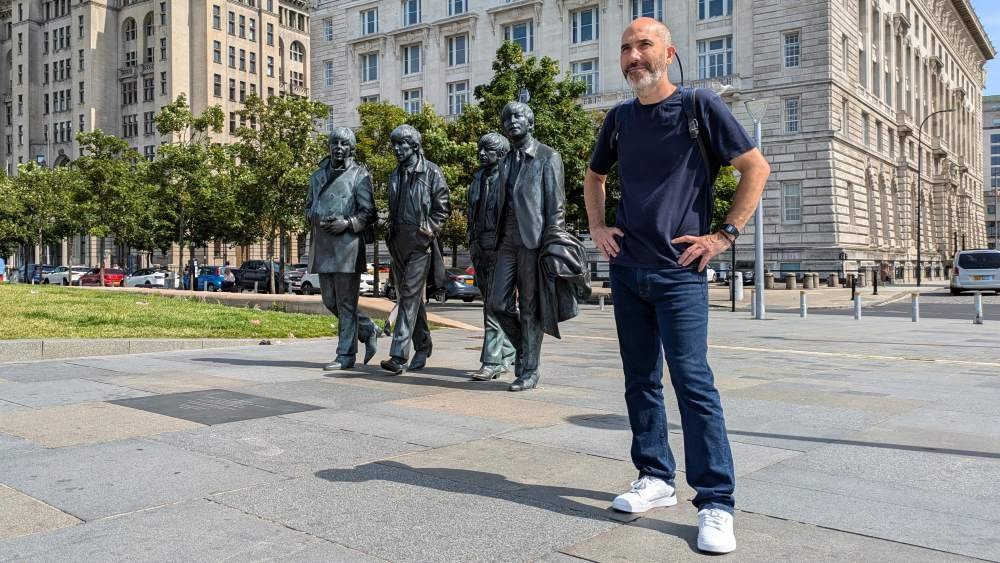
{"x": 646, "y": 493}
{"x": 715, "y": 531}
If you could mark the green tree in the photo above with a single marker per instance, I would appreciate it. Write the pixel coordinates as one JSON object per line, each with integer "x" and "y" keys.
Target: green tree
{"x": 725, "y": 191}
{"x": 186, "y": 173}
{"x": 560, "y": 121}
{"x": 45, "y": 197}
{"x": 279, "y": 152}
{"x": 113, "y": 198}
{"x": 13, "y": 227}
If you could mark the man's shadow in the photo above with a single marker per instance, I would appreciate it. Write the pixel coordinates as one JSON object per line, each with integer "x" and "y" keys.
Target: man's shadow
{"x": 556, "y": 499}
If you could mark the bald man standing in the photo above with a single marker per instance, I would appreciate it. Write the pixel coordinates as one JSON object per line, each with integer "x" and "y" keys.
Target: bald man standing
{"x": 669, "y": 144}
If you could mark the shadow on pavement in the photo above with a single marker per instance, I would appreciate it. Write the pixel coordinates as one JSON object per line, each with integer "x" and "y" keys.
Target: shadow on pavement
{"x": 492, "y": 485}
{"x": 617, "y": 421}
{"x": 261, "y": 363}
{"x": 423, "y": 378}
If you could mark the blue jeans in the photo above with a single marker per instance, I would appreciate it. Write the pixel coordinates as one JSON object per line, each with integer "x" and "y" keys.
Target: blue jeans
{"x": 664, "y": 314}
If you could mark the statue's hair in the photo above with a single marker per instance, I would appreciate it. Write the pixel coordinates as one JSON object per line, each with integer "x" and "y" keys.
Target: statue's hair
{"x": 408, "y": 134}
{"x": 496, "y": 142}
{"x": 519, "y": 107}
{"x": 342, "y": 133}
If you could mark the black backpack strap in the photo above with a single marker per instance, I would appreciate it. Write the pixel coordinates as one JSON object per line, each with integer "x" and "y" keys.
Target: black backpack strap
{"x": 694, "y": 132}
{"x": 616, "y": 126}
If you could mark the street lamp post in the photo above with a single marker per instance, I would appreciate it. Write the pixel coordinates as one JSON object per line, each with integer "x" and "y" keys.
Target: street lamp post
{"x": 996, "y": 209}
{"x": 756, "y": 109}
{"x": 920, "y": 177}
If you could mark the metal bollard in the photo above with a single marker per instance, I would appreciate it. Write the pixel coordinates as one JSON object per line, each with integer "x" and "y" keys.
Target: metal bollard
{"x": 255, "y": 288}
{"x": 857, "y": 307}
{"x": 601, "y": 301}
{"x": 875, "y": 284}
{"x": 753, "y": 303}
{"x": 979, "y": 309}
{"x": 738, "y": 287}
{"x": 803, "y": 304}
{"x": 915, "y": 306}
{"x": 854, "y": 287}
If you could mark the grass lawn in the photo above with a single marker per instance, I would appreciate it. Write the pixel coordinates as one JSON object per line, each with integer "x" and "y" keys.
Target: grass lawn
{"x": 56, "y": 312}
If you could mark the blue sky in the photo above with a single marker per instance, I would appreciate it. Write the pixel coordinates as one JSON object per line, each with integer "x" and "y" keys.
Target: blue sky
{"x": 989, "y": 14}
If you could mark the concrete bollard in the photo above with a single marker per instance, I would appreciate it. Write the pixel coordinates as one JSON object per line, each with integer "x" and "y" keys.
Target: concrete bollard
{"x": 803, "y": 304}
{"x": 816, "y": 281}
{"x": 738, "y": 286}
{"x": 769, "y": 281}
{"x": 809, "y": 281}
{"x": 979, "y": 309}
{"x": 790, "y": 281}
{"x": 831, "y": 280}
{"x": 915, "y": 306}
{"x": 857, "y": 307}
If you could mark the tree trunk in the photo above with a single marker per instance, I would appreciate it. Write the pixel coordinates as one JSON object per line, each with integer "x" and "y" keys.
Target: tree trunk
{"x": 180, "y": 249}
{"x": 375, "y": 278}
{"x": 454, "y": 255}
{"x": 282, "y": 257}
{"x": 270, "y": 261}
{"x": 194, "y": 275}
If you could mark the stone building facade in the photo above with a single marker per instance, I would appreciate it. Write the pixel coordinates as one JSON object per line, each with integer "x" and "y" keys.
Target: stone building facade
{"x": 991, "y": 168}
{"x": 848, "y": 83}
{"x": 80, "y": 65}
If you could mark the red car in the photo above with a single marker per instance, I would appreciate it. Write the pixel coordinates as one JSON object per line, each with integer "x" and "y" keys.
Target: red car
{"x": 112, "y": 277}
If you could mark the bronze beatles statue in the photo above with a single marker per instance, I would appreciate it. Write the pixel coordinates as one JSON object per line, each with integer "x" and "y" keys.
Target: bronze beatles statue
{"x": 340, "y": 208}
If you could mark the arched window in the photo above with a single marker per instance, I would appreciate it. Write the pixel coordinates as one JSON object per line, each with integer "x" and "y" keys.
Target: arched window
{"x": 297, "y": 52}
{"x": 128, "y": 30}
{"x": 147, "y": 25}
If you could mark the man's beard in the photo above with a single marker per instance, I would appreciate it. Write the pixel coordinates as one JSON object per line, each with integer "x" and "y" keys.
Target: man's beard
{"x": 649, "y": 78}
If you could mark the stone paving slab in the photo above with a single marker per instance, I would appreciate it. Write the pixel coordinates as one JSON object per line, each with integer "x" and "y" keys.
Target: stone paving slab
{"x": 214, "y": 406}
{"x": 15, "y": 445}
{"x": 178, "y": 532}
{"x": 99, "y": 480}
{"x": 963, "y": 535}
{"x": 497, "y": 405}
{"x": 285, "y": 446}
{"x": 786, "y": 393}
{"x": 391, "y": 425}
{"x": 324, "y": 393}
{"x": 64, "y": 392}
{"x": 410, "y": 516}
{"x": 21, "y": 515}
{"x": 172, "y": 382}
{"x": 29, "y": 372}
{"x": 86, "y": 423}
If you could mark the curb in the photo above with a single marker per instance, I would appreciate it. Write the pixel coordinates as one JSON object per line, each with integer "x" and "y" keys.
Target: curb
{"x": 34, "y": 350}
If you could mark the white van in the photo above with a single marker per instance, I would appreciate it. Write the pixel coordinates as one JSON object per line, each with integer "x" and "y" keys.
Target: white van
{"x": 976, "y": 270}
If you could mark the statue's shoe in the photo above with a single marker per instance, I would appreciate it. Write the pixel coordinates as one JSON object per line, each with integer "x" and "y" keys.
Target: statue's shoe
{"x": 489, "y": 371}
{"x": 527, "y": 381}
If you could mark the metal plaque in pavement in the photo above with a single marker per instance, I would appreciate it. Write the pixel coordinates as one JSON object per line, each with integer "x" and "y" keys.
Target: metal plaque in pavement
{"x": 214, "y": 406}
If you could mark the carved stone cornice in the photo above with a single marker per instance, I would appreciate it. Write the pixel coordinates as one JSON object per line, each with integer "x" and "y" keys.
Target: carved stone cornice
{"x": 418, "y": 33}
{"x": 368, "y": 43}
{"x": 457, "y": 24}
{"x": 515, "y": 10}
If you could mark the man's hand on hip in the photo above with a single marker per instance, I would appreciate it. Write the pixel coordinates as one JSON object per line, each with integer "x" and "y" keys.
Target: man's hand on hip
{"x": 604, "y": 240}
{"x": 702, "y": 248}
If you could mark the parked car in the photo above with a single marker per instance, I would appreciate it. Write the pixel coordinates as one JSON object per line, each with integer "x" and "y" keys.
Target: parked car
{"x": 308, "y": 284}
{"x": 65, "y": 275}
{"x": 112, "y": 277}
{"x": 461, "y": 285}
{"x": 294, "y": 273}
{"x": 256, "y": 273}
{"x": 367, "y": 285}
{"x": 211, "y": 278}
{"x": 34, "y": 273}
{"x": 976, "y": 270}
{"x": 147, "y": 277}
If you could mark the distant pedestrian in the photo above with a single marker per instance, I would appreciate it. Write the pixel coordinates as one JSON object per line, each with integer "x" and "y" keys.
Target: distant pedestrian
{"x": 669, "y": 144}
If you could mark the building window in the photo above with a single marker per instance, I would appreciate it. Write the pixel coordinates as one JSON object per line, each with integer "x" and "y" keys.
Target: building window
{"x": 369, "y": 21}
{"x": 243, "y": 26}
{"x": 791, "y": 117}
{"x": 411, "y": 12}
{"x": 845, "y": 52}
{"x": 791, "y": 43}
{"x": 129, "y": 31}
{"x": 411, "y": 100}
{"x": 149, "y": 123}
{"x": 456, "y": 7}
{"x": 458, "y": 96}
{"x": 232, "y": 57}
{"x": 148, "y": 90}
{"x": 369, "y": 67}
{"x": 149, "y": 151}
{"x": 373, "y": 99}
{"x": 328, "y": 73}
{"x": 791, "y": 202}
{"x": 243, "y": 59}
{"x": 163, "y": 13}
{"x": 411, "y": 59}
{"x": 217, "y": 52}
{"x": 297, "y": 52}
{"x": 584, "y": 25}
{"x": 163, "y": 83}
{"x": 232, "y": 89}
{"x": 714, "y": 8}
{"x": 253, "y": 62}
{"x": 216, "y": 17}
{"x": 163, "y": 48}
{"x": 457, "y": 54}
{"x": 79, "y": 21}
{"x": 521, "y": 33}
{"x": 270, "y": 34}
{"x": 243, "y": 91}
{"x": 647, "y": 9}
{"x": 231, "y": 28}
{"x": 253, "y": 30}
{"x": 586, "y": 71}
{"x": 232, "y": 122}
{"x": 878, "y": 136}
{"x": 82, "y": 91}
{"x": 865, "y": 129}
{"x": 270, "y": 66}
{"x": 845, "y": 118}
{"x": 130, "y": 94}
{"x": 328, "y": 29}
{"x": 715, "y": 57}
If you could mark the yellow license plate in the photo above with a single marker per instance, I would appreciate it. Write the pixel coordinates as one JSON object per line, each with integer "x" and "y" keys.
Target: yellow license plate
{"x": 977, "y": 278}
{"x": 469, "y": 282}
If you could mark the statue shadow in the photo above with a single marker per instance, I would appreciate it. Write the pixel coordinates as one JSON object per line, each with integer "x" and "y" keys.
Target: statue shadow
{"x": 261, "y": 363}
{"x": 457, "y": 379}
{"x": 556, "y": 499}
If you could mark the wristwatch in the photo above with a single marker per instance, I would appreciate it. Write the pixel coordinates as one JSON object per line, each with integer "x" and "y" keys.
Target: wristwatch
{"x": 730, "y": 230}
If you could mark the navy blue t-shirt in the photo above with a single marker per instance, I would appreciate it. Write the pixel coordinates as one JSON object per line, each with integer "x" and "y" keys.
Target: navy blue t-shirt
{"x": 665, "y": 187}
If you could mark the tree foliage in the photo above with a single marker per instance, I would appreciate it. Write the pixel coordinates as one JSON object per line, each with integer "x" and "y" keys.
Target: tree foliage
{"x": 43, "y": 198}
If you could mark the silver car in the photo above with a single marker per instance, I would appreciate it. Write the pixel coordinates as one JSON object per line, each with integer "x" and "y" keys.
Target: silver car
{"x": 976, "y": 270}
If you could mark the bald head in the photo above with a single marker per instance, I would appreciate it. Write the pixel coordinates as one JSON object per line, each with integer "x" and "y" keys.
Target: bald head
{"x": 646, "y": 52}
